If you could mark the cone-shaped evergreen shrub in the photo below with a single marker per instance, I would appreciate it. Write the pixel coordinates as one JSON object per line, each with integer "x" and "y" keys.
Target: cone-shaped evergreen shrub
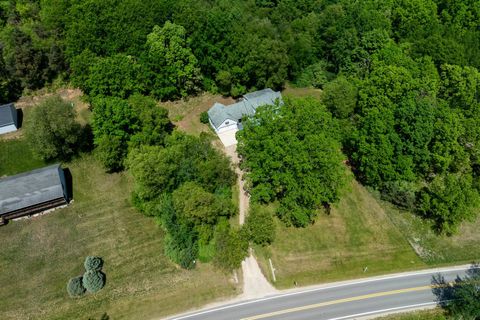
{"x": 93, "y": 281}
{"x": 93, "y": 263}
{"x": 75, "y": 287}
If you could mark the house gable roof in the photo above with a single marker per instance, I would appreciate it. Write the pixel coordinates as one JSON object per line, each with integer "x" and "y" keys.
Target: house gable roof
{"x": 7, "y": 114}
{"x": 30, "y": 188}
{"x": 245, "y": 107}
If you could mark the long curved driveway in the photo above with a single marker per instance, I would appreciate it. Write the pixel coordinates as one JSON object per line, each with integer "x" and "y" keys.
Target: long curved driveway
{"x": 342, "y": 300}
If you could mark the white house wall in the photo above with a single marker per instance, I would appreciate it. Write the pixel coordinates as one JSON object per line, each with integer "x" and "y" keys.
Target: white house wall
{"x": 7, "y": 129}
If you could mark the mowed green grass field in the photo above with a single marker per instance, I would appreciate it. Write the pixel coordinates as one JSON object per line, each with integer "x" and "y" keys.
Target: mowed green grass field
{"x": 15, "y": 157}
{"x": 40, "y": 254}
{"x": 363, "y": 236}
{"x": 356, "y": 235}
{"x": 435, "y": 249}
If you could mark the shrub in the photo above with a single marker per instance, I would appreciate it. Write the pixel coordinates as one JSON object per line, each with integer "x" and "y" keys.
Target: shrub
{"x": 231, "y": 247}
{"x": 75, "y": 287}
{"x": 93, "y": 281}
{"x": 204, "y": 117}
{"x": 181, "y": 246}
{"x": 260, "y": 226}
{"x": 93, "y": 263}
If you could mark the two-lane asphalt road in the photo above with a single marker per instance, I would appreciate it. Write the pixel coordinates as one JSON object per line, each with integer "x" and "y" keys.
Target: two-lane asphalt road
{"x": 343, "y": 300}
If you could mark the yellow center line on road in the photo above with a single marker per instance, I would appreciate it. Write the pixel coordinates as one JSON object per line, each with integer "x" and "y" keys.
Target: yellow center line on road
{"x": 328, "y": 303}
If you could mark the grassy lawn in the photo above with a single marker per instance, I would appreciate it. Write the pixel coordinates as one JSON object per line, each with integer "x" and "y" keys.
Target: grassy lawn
{"x": 357, "y": 234}
{"x": 185, "y": 114}
{"x": 292, "y": 91}
{"x": 435, "y": 314}
{"x": 16, "y": 157}
{"x": 39, "y": 255}
{"x": 437, "y": 249}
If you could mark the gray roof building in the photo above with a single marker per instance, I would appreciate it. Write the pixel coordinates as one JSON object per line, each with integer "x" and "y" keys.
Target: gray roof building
{"x": 32, "y": 192}
{"x": 8, "y": 118}
{"x": 247, "y": 106}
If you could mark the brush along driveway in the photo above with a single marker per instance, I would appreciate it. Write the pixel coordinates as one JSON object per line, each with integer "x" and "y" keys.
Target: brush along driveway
{"x": 254, "y": 282}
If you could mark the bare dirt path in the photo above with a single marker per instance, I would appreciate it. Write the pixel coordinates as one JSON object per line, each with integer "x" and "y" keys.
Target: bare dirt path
{"x": 255, "y": 285}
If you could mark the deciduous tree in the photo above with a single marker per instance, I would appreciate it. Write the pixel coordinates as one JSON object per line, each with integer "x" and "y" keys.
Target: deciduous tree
{"x": 51, "y": 129}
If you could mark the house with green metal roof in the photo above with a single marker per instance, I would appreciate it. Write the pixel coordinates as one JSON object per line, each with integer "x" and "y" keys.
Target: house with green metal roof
{"x": 227, "y": 120}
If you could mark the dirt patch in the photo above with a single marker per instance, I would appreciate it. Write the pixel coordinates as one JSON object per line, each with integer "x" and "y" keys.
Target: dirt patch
{"x": 185, "y": 114}
{"x": 74, "y": 96}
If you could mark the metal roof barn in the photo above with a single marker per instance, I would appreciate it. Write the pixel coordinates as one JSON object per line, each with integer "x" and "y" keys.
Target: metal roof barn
{"x": 32, "y": 192}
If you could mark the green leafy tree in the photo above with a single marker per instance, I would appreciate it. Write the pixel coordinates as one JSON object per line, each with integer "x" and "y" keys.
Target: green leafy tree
{"x": 231, "y": 247}
{"x": 260, "y": 225}
{"x": 174, "y": 68}
{"x": 119, "y": 75}
{"x": 114, "y": 121}
{"x": 340, "y": 97}
{"x": 315, "y": 75}
{"x": 258, "y": 59}
{"x": 80, "y": 69}
{"x": 194, "y": 204}
{"x": 75, "y": 287}
{"x": 27, "y": 62}
{"x": 158, "y": 169}
{"x": 290, "y": 153}
{"x": 10, "y": 89}
{"x": 155, "y": 124}
{"x": 51, "y": 129}
{"x": 448, "y": 200}
{"x": 181, "y": 241}
{"x": 181, "y": 246}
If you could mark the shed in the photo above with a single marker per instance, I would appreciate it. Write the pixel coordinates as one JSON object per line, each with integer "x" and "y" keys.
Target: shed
{"x": 32, "y": 192}
{"x": 8, "y": 118}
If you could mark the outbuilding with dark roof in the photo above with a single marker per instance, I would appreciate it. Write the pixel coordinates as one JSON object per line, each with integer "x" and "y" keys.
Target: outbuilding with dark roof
{"x": 8, "y": 118}
{"x": 32, "y": 192}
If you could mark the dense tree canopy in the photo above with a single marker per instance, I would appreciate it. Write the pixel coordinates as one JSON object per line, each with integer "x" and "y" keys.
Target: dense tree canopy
{"x": 401, "y": 76}
{"x": 185, "y": 184}
{"x": 119, "y": 123}
{"x": 234, "y": 45}
{"x": 173, "y": 67}
{"x": 159, "y": 169}
{"x": 290, "y": 153}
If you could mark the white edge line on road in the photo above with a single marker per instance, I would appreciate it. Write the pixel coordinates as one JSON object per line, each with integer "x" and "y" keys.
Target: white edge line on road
{"x": 379, "y": 278}
{"x": 413, "y": 306}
